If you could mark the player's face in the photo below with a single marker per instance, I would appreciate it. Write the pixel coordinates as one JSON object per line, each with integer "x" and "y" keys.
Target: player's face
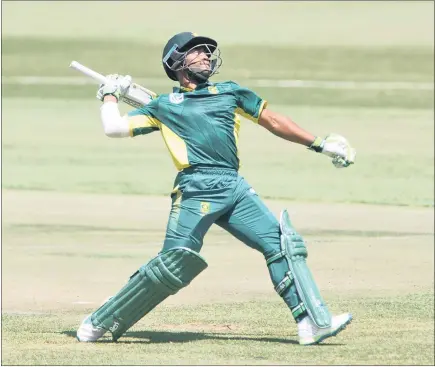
{"x": 198, "y": 57}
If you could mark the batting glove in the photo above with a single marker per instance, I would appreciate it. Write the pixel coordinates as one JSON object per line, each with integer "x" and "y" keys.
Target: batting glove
{"x": 336, "y": 147}
{"x": 116, "y": 85}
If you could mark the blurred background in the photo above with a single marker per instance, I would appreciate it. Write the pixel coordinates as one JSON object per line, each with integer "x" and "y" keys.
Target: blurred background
{"x": 81, "y": 211}
{"x": 361, "y": 69}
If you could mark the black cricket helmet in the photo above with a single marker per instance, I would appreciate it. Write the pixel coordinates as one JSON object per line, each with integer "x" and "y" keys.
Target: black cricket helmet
{"x": 175, "y": 51}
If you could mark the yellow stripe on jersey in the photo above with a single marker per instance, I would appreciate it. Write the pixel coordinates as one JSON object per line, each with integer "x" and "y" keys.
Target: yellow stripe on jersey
{"x": 142, "y": 122}
{"x": 176, "y": 146}
{"x": 236, "y": 134}
{"x": 175, "y": 190}
{"x": 176, "y": 206}
{"x": 248, "y": 116}
{"x": 260, "y": 110}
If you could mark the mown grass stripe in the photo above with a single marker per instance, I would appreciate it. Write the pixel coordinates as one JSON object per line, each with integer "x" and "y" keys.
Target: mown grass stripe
{"x": 267, "y": 83}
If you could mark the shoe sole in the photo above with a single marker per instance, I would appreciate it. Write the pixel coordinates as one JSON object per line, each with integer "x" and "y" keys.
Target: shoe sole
{"x": 88, "y": 340}
{"x": 334, "y": 333}
{"x": 84, "y": 341}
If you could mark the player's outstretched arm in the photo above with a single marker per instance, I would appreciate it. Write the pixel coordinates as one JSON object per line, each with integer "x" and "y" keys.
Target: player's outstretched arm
{"x": 334, "y": 145}
{"x": 137, "y": 122}
{"x": 285, "y": 128}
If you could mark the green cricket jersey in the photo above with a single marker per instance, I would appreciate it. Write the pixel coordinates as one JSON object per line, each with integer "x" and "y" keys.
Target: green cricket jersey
{"x": 200, "y": 127}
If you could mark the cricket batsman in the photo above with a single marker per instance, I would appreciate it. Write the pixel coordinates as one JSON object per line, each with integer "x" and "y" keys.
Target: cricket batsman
{"x": 200, "y": 124}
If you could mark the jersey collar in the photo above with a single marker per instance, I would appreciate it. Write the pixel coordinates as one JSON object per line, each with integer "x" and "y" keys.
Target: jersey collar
{"x": 198, "y": 87}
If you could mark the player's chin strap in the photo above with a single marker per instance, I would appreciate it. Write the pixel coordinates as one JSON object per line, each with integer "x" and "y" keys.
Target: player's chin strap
{"x": 198, "y": 75}
{"x": 294, "y": 251}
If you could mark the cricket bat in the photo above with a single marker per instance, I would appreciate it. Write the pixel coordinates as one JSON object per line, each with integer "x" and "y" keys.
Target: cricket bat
{"x": 136, "y": 96}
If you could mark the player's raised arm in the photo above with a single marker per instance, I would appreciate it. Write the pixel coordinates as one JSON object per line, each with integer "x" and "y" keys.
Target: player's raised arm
{"x": 137, "y": 122}
{"x": 334, "y": 146}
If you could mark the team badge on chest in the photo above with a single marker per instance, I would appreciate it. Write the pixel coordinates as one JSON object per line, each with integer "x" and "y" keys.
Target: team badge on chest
{"x": 176, "y": 98}
{"x": 205, "y": 207}
{"x": 213, "y": 90}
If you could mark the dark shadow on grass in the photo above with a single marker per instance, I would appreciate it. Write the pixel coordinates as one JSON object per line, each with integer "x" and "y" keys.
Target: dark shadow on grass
{"x": 155, "y": 337}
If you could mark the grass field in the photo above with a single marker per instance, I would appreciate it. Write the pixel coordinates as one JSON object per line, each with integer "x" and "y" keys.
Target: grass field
{"x": 230, "y": 314}
{"x": 81, "y": 212}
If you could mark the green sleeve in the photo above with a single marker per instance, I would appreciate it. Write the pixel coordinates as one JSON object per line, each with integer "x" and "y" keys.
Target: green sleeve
{"x": 143, "y": 120}
{"x": 249, "y": 104}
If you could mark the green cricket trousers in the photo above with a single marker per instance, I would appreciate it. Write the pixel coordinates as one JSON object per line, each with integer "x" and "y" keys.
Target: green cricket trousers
{"x": 203, "y": 196}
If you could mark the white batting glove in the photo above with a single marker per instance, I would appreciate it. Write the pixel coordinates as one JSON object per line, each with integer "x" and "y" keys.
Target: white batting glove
{"x": 336, "y": 147}
{"x": 117, "y": 86}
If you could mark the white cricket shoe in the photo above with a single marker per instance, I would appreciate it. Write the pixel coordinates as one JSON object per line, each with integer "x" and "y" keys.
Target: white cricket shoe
{"x": 310, "y": 334}
{"x": 88, "y": 332}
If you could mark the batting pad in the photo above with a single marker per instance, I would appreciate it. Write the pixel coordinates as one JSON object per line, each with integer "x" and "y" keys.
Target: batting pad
{"x": 293, "y": 246}
{"x": 163, "y": 276}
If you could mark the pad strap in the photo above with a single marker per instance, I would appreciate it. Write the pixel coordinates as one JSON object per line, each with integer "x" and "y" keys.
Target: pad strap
{"x": 275, "y": 257}
{"x": 298, "y": 310}
{"x": 284, "y": 283}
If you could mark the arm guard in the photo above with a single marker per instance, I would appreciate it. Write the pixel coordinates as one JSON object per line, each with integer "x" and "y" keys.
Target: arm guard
{"x": 115, "y": 126}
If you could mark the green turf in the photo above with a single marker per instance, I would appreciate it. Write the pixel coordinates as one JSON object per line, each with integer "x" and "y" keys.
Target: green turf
{"x": 50, "y": 57}
{"x": 239, "y": 333}
{"x": 412, "y": 99}
{"x": 60, "y": 249}
{"x": 55, "y": 144}
{"x": 384, "y": 125}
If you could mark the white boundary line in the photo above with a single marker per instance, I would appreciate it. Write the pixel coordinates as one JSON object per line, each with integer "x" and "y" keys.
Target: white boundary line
{"x": 342, "y": 84}
{"x": 269, "y": 83}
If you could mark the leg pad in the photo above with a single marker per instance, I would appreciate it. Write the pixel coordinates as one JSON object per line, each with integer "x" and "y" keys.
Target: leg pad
{"x": 293, "y": 246}
{"x": 163, "y": 276}
{"x": 298, "y": 276}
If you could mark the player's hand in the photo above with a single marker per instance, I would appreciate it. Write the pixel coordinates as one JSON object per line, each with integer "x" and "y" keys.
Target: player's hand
{"x": 336, "y": 147}
{"x": 116, "y": 85}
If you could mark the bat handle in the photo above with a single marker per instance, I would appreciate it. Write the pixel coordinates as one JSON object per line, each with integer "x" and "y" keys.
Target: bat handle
{"x": 89, "y": 72}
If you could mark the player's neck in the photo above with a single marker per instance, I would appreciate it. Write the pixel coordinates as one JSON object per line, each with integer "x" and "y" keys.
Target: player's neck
{"x": 188, "y": 84}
